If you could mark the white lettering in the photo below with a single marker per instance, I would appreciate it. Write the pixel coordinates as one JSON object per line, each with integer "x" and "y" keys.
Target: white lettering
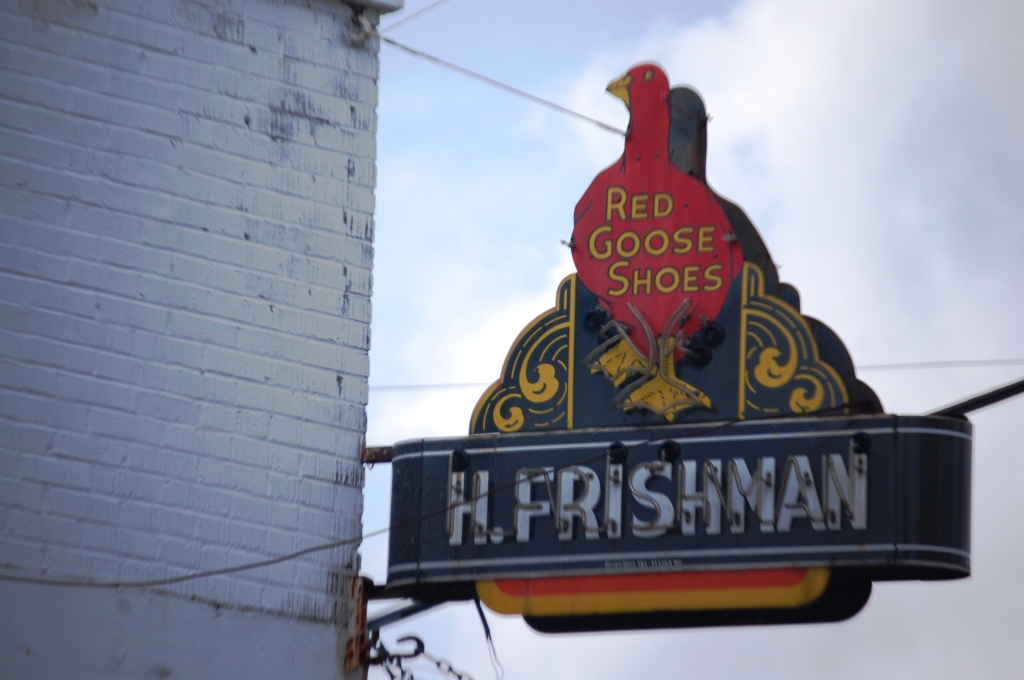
{"x": 708, "y": 500}
{"x": 456, "y": 507}
{"x": 659, "y": 502}
{"x": 476, "y": 507}
{"x": 527, "y": 508}
{"x": 758, "y": 490}
{"x": 582, "y": 506}
{"x": 845, "y": 489}
{"x": 613, "y": 501}
{"x": 798, "y": 483}
{"x": 481, "y": 480}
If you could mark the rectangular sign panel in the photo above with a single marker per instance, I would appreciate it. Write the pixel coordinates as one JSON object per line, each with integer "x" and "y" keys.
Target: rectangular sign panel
{"x": 889, "y": 494}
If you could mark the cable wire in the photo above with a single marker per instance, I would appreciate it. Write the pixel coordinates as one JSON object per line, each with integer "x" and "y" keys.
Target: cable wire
{"x": 501, "y": 85}
{"x": 195, "y": 575}
{"x": 499, "y": 670}
{"x": 434, "y": 386}
{"x": 712, "y": 427}
{"x": 412, "y": 16}
{"x": 968, "y": 363}
{"x": 980, "y": 363}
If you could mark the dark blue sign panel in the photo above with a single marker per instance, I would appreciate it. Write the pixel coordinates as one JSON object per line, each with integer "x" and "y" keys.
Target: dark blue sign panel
{"x": 885, "y": 493}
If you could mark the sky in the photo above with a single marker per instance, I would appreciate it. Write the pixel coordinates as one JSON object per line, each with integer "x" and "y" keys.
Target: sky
{"x": 879, "y": 149}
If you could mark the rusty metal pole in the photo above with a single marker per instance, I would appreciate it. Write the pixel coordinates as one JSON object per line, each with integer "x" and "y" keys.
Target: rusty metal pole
{"x": 353, "y": 640}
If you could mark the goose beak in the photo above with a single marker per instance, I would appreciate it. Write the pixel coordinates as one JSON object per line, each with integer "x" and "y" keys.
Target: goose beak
{"x": 620, "y": 88}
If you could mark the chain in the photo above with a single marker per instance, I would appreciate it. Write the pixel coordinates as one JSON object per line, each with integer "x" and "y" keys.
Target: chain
{"x": 391, "y": 662}
{"x": 393, "y": 667}
{"x": 445, "y": 666}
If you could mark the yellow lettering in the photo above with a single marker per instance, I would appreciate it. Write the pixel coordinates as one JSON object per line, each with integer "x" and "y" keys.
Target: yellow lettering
{"x": 639, "y": 206}
{"x": 705, "y": 238}
{"x": 690, "y": 278}
{"x": 632, "y": 236}
{"x": 660, "y": 250}
{"x": 685, "y": 244}
{"x": 663, "y": 288}
{"x": 606, "y": 245}
{"x": 662, "y": 205}
{"x": 637, "y": 282}
{"x": 712, "y": 280}
{"x": 618, "y": 278}
{"x": 617, "y": 202}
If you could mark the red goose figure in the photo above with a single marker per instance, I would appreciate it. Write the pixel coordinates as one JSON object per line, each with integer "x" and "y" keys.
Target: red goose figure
{"x": 656, "y": 248}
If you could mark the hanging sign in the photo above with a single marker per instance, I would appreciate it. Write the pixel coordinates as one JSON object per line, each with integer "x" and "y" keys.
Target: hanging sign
{"x": 675, "y": 443}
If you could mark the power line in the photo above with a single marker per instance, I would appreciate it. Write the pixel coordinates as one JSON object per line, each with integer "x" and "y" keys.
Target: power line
{"x": 435, "y": 386}
{"x": 978, "y": 363}
{"x": 412, "y": 16}
{"x": 335, "y": 544}
{"x": 195, "y": 575}
{"x": 503, "y": 86}
{"x": 412, "y": 522}
{"x": 942, "y": 364}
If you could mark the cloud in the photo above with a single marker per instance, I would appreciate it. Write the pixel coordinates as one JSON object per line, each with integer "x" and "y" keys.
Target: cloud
{"x": 466, "y": 345}
{"x": 879, "y": 148}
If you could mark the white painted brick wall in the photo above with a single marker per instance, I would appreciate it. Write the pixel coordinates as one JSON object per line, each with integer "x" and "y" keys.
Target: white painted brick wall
{"x": 186, "y": 226}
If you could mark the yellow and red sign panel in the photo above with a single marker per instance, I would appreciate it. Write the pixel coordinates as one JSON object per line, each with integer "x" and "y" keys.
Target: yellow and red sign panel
{"x": 632, "y": 593}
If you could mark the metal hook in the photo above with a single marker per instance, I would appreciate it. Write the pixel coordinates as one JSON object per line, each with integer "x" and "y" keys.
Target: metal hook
{"x": 409, "y": 655}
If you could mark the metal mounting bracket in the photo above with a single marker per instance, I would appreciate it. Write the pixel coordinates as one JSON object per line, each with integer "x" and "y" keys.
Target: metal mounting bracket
{"x": 398, "y": 613}
{"x": 980, "y": 401}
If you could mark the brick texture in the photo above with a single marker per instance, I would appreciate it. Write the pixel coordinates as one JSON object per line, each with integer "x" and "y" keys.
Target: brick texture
{"x": 186, "y": 227}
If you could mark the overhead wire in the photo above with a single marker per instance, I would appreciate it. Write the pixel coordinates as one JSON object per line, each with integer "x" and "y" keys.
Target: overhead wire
{"x": 479, "y": 76}
{"x": 152, "y": 583}
{"x": 431, "y": 386}
{"x": 967, "y": 363}
{"x": 496, "y": 83}
{"x": 977, "y": 363}
{"x": 412, "y": 16}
